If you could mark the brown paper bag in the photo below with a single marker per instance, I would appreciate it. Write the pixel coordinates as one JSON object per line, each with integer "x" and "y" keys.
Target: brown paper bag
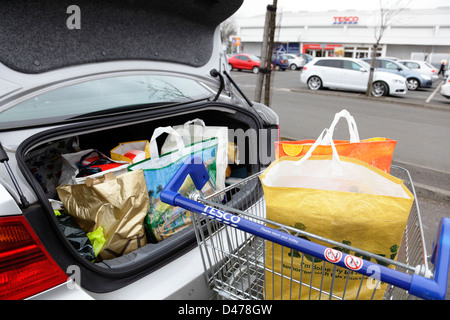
{"x": 117, "y": 204}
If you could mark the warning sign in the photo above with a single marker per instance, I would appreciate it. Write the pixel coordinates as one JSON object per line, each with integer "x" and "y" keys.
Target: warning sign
{"x": 353, "y": 263}
{"x": 332, "y": 255}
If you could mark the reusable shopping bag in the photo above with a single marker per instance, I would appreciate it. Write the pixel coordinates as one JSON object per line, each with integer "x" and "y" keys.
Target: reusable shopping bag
{"x": 117, "y": 205}
{"x": 132, "y": 151}
{"x": 376, "y": 151}
{"x": 163, "y": 220}
{"x": 195, "y": 131}
{"x": 338, "y": 198}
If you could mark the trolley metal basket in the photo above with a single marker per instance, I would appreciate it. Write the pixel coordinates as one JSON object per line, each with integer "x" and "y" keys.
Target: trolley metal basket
{"x": 234, "y": 235}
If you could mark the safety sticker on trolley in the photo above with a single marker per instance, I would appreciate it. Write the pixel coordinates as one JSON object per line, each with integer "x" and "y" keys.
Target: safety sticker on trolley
{"x": 221, "y": 216}
{"x": 353, "y": 263}
{"x": 332, "y": 255}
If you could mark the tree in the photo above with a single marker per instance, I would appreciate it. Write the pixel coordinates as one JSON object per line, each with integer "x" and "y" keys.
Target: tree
{"x": 227, "y": 29}
{"x": 266, "y": 55}
{"x": 388, "y": 10}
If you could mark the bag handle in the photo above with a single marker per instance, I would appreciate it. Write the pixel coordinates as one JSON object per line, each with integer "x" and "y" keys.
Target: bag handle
{"x": 194, "y": 121}
{"x": 352, "y": 128}
{"x": 93, "y": 181}
{"x": 197, "y": 123}
{"x": 324, "y": 139}
{"x": 101, "y": 156}
{"x": 154, "y": 153}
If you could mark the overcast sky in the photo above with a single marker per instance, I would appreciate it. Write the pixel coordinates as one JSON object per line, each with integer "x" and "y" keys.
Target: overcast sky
{"x": 255, "y": 7}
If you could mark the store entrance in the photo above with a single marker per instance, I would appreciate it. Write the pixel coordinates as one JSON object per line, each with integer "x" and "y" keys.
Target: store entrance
{"x": 321, "y": 50}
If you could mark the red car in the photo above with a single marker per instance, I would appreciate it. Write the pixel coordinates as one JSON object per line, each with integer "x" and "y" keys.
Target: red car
{"x": 243, "y": 61}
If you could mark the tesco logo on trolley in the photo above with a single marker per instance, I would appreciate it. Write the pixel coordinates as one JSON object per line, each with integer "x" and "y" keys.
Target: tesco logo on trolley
{"x": 346, "y": 20}
{"x": 220, "y": 215}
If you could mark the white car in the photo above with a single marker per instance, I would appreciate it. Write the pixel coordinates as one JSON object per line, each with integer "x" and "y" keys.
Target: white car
{"x": 422, "y": 67}
{"x": 99, "y": 75}
{"x": 445, "y": 88}
{"x": 350, "y": 74}
{"x": 295, "y": 62}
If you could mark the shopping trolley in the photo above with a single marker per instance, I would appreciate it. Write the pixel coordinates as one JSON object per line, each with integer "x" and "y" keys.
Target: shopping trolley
{"x": 234, "y": 237}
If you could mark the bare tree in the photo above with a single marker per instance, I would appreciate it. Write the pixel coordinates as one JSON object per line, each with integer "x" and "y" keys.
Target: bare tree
{"x": 388, "y": 10}
{"x": 426, "y": 52}
{"x": 227, "y": 29}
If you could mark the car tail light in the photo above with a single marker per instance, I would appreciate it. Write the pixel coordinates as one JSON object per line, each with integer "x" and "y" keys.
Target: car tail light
{"x": 434, "y": 70}
{"x": 25, "y": 266}
{"x": 304, "y": 68}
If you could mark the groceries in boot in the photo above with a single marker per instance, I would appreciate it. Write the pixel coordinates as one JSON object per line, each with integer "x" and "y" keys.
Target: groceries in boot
{"x": 115, "y": 200}
{"x": 117, "y": 204}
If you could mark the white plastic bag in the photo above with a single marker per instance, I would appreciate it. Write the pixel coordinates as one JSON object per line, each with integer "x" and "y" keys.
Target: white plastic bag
{"x": 70, "y": 169}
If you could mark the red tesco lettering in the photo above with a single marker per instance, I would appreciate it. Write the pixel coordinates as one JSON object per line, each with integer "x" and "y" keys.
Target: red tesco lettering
{"x": 346, "y": 19}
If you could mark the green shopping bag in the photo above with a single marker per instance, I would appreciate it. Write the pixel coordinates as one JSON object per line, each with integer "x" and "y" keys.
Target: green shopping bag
{"x": 163, "y": 220}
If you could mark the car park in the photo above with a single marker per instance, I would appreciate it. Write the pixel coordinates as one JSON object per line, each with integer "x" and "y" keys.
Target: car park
{"x": 280, "y": 62}
{"x": 244, "y": 61}
{"x": 350, "y": 74}
{"x": 414, "y": 79}
{"x": 422, "y": 67}
{"x": 295, "y": 62}
{"x": 64, "y": 89}
{"x": 445, "y": 88}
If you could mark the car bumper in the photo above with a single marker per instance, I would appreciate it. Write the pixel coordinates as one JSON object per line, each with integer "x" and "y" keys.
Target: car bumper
{"x": 426, "y": 84}
{"x": 190, "y": 284}
{"x": 398, "y": 89}
{"x": 445, "y": 94}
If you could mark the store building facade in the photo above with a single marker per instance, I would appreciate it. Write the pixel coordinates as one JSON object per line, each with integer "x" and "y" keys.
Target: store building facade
{"x": 412, "y": 34}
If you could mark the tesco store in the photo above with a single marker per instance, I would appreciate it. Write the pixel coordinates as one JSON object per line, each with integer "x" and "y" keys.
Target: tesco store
{"x": 411, "y": 34}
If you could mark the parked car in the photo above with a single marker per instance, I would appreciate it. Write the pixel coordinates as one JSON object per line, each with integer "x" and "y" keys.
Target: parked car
{"x": 295, "y": 62}
{"x": 414, "y": 79}
{"x": 280, "y": 62}
{"x": 81, "y": 92}
{"x": 422, "y": 67}
{"x": 305, "y": 56}
{"x": 445, "y": 88}
{"x": 350, "y": 74}
{"x": 244, "y": 61}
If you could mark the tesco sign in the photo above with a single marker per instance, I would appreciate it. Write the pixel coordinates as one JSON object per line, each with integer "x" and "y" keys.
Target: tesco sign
{"x": 346, "y": 20}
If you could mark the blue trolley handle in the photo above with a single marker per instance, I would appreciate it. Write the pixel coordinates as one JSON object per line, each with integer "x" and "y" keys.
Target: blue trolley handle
{"x": 417, "y": 285}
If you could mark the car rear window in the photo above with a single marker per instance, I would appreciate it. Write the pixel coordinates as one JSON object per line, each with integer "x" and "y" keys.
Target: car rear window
{"x": 101, "y": 95}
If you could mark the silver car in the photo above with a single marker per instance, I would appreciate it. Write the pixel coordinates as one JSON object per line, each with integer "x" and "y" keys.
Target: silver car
{"x": 422, "y": 67}
{"x": 93, "y": 75}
